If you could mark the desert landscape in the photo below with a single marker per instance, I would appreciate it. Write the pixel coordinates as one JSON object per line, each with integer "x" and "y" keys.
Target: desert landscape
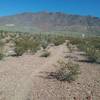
{"x": 49, "y": 49}
{"x": 54, "y": 67}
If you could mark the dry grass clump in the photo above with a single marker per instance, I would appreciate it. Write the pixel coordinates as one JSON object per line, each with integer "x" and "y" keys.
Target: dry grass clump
{"x": 66, "y": 71}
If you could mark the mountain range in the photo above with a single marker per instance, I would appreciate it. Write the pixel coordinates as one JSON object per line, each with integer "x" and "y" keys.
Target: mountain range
{"x": 50, "y": 22}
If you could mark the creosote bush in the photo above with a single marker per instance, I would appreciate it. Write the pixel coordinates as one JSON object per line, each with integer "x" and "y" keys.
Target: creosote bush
{"x": 19, "y": 51}
{"x": 58, "y": 40}
{"x": 67, "y": 71}
{"x": 44, "y": 44}
{"x": 90, "y": 46}
{"x": 92, "y": 53}
{"x": 25, "y": 44}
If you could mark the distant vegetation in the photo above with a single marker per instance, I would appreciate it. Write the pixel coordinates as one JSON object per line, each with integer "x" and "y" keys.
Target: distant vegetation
{"x": 90, "y": 45}
{"x": 30, "y": 43}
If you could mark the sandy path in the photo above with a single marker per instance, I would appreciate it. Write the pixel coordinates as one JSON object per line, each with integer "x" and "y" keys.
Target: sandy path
{"x": 17, "y": 74}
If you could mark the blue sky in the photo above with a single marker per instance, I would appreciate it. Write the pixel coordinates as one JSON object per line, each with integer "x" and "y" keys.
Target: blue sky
{"x": 81, "y": 7}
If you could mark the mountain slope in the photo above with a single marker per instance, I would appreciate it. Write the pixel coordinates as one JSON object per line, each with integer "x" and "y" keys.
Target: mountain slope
{"x": 44, "y": 21}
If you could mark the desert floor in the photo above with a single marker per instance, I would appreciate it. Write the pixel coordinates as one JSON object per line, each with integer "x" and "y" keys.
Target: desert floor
{"x": 24, "y": 78}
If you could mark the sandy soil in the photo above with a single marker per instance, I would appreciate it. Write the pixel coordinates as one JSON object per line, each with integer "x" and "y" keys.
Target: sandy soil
{"x": 23, "y": 78}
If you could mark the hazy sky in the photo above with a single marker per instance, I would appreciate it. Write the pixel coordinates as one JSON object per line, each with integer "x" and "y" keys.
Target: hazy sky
{"x": 82, "y": 7}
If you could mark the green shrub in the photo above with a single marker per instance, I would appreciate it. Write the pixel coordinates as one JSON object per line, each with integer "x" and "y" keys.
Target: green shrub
{"x": 75, "y": 41}
{"x": 19, "y": 51}
{"x": 57, "y": 40}
{"x": 25, "y": 44}
{"x": 44, "y": 44}
{"x": 91, "y": 53}
{"x": 95, "y": 41}
{"x": 91, "y": 49}
{"x": 67, "y": 71}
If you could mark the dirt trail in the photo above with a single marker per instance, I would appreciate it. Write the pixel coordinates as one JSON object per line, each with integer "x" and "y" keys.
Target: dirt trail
{"x": 17, "y": 74}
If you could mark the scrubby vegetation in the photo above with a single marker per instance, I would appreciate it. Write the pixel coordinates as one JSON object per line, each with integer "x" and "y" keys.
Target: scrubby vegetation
{"x": 91, "y": 53}
{"x": 27, "y": 42}
{"x": 33, "y": 42}
{"x": 91, "y": 47}
{"x": 24, "y": 44}
{"x": 66, "y": 71}
{"x": 57, "y": 40}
